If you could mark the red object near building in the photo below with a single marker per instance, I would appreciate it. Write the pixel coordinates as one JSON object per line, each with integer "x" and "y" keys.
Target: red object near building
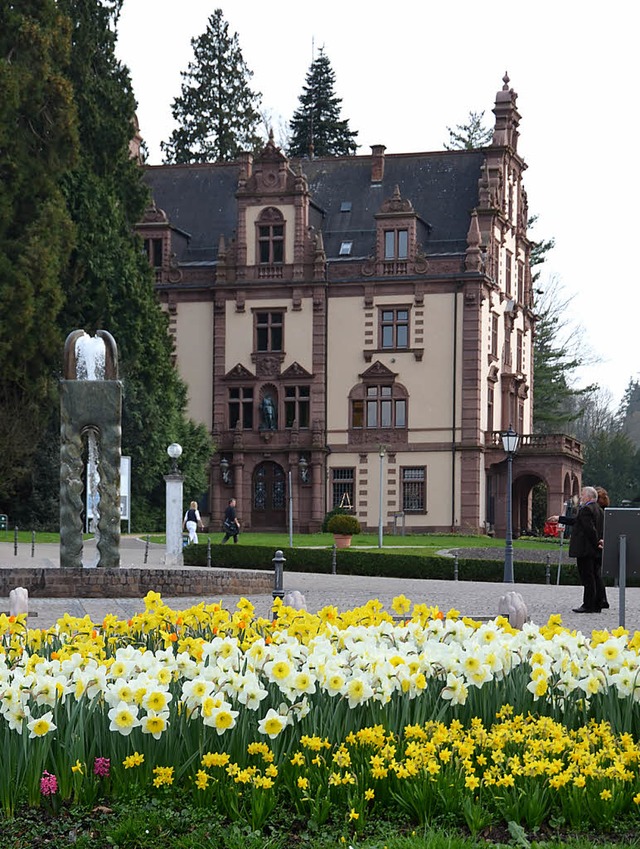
{"x": 551, "y": 528}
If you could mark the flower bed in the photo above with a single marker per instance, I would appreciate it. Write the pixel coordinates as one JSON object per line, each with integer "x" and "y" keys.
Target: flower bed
{"x": 332, "y": 714}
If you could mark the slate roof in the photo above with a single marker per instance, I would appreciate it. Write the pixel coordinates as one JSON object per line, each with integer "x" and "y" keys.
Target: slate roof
{"x": 443, "y": 188}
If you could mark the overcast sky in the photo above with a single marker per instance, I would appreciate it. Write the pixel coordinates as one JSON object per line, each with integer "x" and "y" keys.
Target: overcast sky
{"x": 407, "y": 71}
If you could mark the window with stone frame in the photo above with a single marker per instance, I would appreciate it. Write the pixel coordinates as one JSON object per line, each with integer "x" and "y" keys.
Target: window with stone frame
{"x": 396, "y": 244}
{"x": 297, "y": 401}
{"x": 270, "y": 237}
{"x": 343, "y": 488}
{"x": 154, "y": 251}
{"x": 268, "y": 331}
{"x": 381, "y": 407}
{"x": 494, "y": 335}
{"x": 393, "y": 327}
{"x": 414, "y": 489}
{"x": 490, "y": 408}
{"x": 240, "y": 405}
{"x": 519, "y": 366}
{"x": 520, "y": 294}
{"x": 508, "y": 265}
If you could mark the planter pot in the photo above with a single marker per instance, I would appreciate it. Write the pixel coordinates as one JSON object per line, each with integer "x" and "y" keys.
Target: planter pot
{"x": 342, "y": 540}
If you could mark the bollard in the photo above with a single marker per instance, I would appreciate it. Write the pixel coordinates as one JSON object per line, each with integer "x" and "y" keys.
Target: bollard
{"x": 209, "y": 552}
{"x": 15, "y": 541}
{"x": 455, "y": 568}
{"x": 334, "y": 565}
{"x": 33, "y": 543}
{"x": 278, "y": 574}
{"x": 547, "y": 571}
{"x": 146, "y": 549}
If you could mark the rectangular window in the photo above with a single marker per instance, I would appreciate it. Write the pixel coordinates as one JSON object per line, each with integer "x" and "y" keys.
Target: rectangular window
{"x": 507, "y": 271}
{"x": 494, "y": 335}
{"x": 380, "y": 408}
{"x": 345, "y": 248}
{"x": 296, "y": 406}
{"x": 396, "y": 244}
{"x": 342, "y": 484}
{"x": 490, "y": 407}
{"x": 153, "y": 250}
{"x": 520, "y": 295}
{"x": 270, "y": 244}
{"x": 269, "y": 328}
{"x": 519, "y": 351}
{"x": 241, "y": 407}
{"x": 394, "y": 327}
{"x": 414, "y": 489}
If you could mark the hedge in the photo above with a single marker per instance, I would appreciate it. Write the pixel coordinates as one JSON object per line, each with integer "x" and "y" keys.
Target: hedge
{"x": 356, "y": 561}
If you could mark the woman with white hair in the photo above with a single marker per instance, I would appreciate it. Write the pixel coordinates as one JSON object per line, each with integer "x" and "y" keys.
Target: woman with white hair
{"x": 586, "y": 534}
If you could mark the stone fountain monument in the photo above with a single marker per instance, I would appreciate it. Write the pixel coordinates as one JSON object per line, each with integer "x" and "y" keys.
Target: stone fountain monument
{"x": 90, "y": 435}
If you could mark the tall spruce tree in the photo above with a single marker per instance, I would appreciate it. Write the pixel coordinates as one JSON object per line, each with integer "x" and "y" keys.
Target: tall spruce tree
{"x": 316, "y": 127}
{"x": 217, "y": 112}
{"x": 471, "y": 135}
{"x": 38, "y": 145}
{"x": 109, "y": 282}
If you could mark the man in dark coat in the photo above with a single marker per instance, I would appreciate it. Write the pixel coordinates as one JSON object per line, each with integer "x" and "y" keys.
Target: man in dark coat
{"x": 586, "y": 537}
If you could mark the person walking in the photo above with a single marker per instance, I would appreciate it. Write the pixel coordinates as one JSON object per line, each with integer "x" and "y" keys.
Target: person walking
{"x": 586, "y": 534}
{"x": 192, "y": 521}
{"x": 231, "y": 524}
{"x": 601, "y": 592}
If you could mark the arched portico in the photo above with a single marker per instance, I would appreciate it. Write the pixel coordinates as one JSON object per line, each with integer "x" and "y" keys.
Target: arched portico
{"x": 553, "y": 459}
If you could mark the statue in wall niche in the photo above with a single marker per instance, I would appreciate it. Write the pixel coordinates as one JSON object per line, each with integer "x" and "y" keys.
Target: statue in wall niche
{"x": 268, "y": 415}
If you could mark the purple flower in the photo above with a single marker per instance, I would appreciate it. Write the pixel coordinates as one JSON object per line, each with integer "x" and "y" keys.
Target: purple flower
{"x": 48, "y": 784}
{"x": 101, "y": 767}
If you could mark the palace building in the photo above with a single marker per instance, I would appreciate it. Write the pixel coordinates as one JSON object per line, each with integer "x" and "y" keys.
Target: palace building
{"x": 358, "y": 331}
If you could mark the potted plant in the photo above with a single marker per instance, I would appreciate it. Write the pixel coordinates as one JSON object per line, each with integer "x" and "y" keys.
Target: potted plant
{"x": 343, "y": 527}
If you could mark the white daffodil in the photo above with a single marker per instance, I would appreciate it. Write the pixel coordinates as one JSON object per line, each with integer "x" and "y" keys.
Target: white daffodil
{"x": 42, "y": 725}
{"x": 124, "y": 718}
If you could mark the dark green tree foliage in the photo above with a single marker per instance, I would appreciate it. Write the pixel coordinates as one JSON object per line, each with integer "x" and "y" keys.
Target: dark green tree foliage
{"x": 109, "y": 280}
{"x": 471, "y": 135}
{"x": 217, "y": 112}
{"x": 612, "y": 461}
{"x": 38, "y": 144}
{"x": 316, "y": 127}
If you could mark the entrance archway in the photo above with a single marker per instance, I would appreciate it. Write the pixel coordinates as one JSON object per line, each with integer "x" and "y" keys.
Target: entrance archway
{"x": 269, "y": 497}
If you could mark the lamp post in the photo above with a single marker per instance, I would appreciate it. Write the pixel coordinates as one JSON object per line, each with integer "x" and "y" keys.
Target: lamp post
{"x": 382, "y": 452}
{"x": 510, "y": 441}
{"x": 173, "y": 520}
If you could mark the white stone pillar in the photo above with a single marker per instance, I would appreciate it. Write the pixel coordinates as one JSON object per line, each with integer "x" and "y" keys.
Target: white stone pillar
{"x": 173, "y": 556}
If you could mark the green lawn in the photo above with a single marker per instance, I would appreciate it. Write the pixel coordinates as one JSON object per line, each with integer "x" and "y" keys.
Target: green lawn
{"x": 425, "y": 543}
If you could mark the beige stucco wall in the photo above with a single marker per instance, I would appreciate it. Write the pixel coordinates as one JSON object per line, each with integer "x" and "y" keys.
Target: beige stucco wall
{"x": 429, "y": 382}
{"x": 298, "y": 326}
{"x": 253, "y": 213}
{"x": 194, "y": 350}
{"x": 367, "y": 478}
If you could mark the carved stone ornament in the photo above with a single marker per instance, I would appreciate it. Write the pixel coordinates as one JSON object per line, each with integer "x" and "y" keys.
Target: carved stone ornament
{"x": 267, "y": 367}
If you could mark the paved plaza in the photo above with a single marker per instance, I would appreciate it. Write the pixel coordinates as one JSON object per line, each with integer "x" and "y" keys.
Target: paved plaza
{"x": 472, "y": 598}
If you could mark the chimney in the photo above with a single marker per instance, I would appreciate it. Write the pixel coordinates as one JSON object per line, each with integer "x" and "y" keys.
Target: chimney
{"x": 377, "y": 162}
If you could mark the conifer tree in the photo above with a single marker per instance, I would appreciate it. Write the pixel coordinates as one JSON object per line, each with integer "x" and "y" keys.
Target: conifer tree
{"x": 316, "y": 127}
{"x": 217, "y": 112}
{"x": 38, "y": 145}
{"x": 471, "y": 135}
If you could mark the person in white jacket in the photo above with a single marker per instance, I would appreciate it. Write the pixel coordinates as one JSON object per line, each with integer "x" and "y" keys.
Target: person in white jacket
{"x": 192, "y": 522}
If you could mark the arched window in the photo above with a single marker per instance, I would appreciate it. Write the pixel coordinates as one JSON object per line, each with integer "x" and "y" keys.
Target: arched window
{"x": 378, "y": 404}
{"x": 270, "y": 237}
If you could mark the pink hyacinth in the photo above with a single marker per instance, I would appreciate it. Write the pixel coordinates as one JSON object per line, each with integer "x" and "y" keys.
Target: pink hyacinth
{"x": 48, "y": 784}
{"x": 101, "y": 767}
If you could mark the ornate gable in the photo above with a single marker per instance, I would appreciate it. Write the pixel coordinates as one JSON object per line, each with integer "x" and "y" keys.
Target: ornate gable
{"x": 378, "y": 371}
{"x": 239, "y": 372}
{"x": 297, "y": 372}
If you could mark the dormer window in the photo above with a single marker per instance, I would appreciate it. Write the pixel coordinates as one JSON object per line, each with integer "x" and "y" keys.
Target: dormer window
{"x": 270, "y": 237}
{"x": 345, "y": 248}
{"x": 396, "y": 244}
{"x": 153, "y": 249}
